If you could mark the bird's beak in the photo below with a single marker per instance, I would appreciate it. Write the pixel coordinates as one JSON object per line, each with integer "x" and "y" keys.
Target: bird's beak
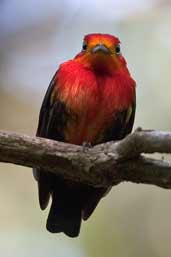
{"x": 100, "y": 48}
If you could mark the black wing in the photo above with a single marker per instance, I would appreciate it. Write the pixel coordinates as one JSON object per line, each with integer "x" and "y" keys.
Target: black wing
{"x": 122, "y": 124}
{"x": 52, "y": 120}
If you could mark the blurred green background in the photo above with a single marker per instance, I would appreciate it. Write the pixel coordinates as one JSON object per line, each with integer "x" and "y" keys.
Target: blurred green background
{"x": 35, "y": 37}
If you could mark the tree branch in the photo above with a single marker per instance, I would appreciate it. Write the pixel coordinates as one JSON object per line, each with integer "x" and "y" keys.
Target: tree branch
{"x": 102, "y": 165}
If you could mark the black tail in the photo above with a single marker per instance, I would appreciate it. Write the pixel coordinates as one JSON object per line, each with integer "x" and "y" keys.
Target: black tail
{"x": 71, "y": 202}
{"x": 65, "y": 214}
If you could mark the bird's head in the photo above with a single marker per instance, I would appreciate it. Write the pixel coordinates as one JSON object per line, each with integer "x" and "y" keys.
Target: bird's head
{"x": 101, "y": 52}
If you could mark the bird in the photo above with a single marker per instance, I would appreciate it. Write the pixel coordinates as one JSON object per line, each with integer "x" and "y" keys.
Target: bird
{"x": 91, "y": 99}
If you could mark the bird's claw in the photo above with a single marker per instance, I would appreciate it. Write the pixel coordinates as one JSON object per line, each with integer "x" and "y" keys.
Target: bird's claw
{"x": 86, "y": 146}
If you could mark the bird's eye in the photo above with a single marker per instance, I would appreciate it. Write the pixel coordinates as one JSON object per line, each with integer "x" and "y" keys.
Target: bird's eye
{"x": 84, "y": 46}
{"x": 117, "y": 49}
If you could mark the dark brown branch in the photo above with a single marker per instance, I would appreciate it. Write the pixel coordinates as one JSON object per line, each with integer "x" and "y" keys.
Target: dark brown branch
{"x": 103, "y": 165}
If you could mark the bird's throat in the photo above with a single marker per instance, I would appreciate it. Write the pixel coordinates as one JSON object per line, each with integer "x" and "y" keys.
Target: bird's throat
{"x": 92, "y": 100}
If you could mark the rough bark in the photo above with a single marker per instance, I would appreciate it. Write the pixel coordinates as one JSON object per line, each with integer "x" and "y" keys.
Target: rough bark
{"x": 103, "y": 165}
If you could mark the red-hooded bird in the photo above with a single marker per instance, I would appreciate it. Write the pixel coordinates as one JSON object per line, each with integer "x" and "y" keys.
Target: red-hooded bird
{"x": 91, "y": 99}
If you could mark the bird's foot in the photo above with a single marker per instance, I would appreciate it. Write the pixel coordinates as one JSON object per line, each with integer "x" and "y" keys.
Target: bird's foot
{"x": 86, "y": 146}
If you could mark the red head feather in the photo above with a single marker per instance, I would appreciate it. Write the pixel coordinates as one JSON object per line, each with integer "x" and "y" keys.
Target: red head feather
{"x": 97, "y": 38}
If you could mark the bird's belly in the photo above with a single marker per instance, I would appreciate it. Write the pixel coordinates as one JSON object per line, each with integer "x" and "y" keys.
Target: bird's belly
{"x": 87, "y": 130}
